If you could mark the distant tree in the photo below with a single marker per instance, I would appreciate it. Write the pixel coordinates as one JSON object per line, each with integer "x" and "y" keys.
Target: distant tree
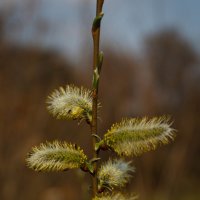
{"x": 170, "y": 57}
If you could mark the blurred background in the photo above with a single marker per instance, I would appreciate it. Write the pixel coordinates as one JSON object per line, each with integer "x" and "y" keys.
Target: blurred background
{"x": 152, "y": 67}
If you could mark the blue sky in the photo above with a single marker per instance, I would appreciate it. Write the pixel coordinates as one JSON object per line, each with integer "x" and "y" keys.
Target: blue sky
{"x": 65, "y": 24}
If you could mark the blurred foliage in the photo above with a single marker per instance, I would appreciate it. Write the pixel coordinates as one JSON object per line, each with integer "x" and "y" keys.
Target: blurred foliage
{"x": 166, "y": 81}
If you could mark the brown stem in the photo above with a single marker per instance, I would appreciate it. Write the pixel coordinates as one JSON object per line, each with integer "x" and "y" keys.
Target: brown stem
{"x": 96, "y": 40}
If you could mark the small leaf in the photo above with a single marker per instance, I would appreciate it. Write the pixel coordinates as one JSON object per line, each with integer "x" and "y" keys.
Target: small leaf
{"x": 97, "y": 22}
{"x": 96, "y": 136}
{"x": 113, "y": 174}
{"x": 97, "y": 147}
{"x": 94, "y": 160}
{"x": 90, "y": 167}
{"x": 56, "y": 156}
{"x": 95, "y": 81}
{"x": 136, "y": 136}
{"x": 100, "y": 61}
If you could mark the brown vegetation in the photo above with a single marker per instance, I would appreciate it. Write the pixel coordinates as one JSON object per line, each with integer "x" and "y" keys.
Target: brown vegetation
{"x": 166, "y": 82}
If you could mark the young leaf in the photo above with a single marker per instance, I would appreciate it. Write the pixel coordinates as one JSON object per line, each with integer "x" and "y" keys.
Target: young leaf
{"x": 100, "y": 61}
{"x": 116, "y": 196}
{"x": 95, "y": 80}
{"x": 136, "y": 136}
{"x": 97, "y": 22}
{"x": 114, "y": 173}
{"x": 71, "y": 103}
{"x": 56, "y": 156}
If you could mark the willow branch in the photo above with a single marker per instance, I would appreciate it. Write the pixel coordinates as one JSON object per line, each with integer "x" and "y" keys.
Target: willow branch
{"x": 96, "y": 73}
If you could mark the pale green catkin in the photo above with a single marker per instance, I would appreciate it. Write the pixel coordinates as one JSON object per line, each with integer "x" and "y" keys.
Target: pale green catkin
{"x": 114, "y": 173}
{"x": 56, "y": 156}
{"x": 136, "y": 136}
{"x": 71, "y": 103}
{"x": 116, "y": 196}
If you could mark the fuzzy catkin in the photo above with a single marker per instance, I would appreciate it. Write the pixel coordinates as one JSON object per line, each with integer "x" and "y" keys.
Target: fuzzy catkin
{"x": 114, "y": 173}
{"x": 70, "y": 102}
{"x": 136, "y": 136}
{"x": 55, "y": 156}
{"x": 116, "y": 196}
